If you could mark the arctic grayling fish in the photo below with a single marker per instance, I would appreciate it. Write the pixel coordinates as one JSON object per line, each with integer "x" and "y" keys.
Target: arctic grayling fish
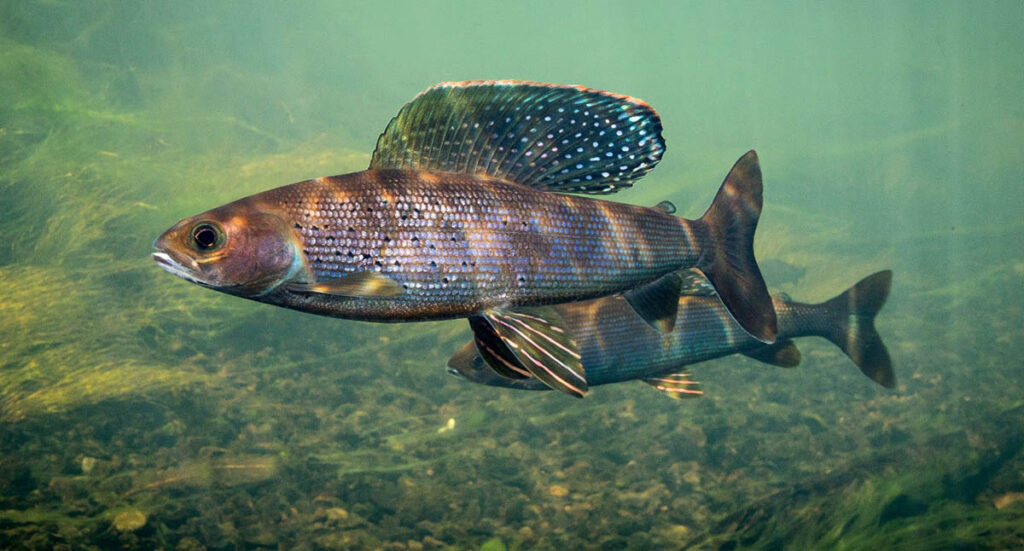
{"x": 616, "y": 346}
{"x": 463, "y": 213}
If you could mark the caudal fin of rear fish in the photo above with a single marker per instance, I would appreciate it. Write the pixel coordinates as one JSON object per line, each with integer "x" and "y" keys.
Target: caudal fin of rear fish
{"x": 729, "y": 264}
{"x": 854, "y": 332}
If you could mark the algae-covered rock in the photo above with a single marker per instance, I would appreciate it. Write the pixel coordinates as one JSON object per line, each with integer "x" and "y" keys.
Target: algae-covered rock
{"x": 336, "y": 514}
{"x": 129, "y": 520}
{"x": 557, "y": 490}
{"x": 1008, "y": 499}
{"x": 494, "y": 544}
{"x": 88, "y": 464}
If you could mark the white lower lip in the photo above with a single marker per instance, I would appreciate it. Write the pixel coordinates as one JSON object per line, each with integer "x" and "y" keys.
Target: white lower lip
{"x": 171, "y": 266}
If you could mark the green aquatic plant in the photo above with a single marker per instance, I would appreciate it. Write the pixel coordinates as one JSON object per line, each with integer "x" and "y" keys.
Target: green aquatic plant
{"x": 917, "y": 497}
{"x": 86, "y": 186}
{"x": 53, "y": 361}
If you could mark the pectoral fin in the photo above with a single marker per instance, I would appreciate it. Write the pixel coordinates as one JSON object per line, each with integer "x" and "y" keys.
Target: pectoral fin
{"x": 493, "y": 351}
{"x": 358, "y": 284}
{"x": 783, "y": 353}
{"x": 657, "y": 302}
{"x": 539, "y": 343}
{"x": 677, "y": 386}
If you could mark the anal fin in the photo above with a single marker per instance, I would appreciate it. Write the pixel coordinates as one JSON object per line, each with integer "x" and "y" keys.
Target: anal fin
{"x": 782, "y": 353}
{"x": 357, "y": 284}
{"x": 537, "y": 339}
{"x": 678, "y": 386}
{"x": 657, "y": 302}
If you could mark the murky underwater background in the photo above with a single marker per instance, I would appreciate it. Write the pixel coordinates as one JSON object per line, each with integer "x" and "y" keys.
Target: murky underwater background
{"x": 139, "y": 411}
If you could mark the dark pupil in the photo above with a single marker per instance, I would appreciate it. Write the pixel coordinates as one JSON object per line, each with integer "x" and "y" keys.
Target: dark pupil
{"x": 205, "y": 237}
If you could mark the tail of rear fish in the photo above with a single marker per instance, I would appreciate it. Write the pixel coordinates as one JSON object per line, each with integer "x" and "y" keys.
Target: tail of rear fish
{"x": 729, "y": 263}
{"x": 853, "y": 330}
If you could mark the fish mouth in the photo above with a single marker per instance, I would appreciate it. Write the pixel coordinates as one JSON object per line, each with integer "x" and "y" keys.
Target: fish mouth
{"x": 174, "y": 267}
{"x": 452, "y": 371}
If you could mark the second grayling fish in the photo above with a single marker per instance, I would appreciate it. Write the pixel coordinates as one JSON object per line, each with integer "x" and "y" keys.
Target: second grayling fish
{"x": 617, "y": 347}
{"x": 463, "y": 213}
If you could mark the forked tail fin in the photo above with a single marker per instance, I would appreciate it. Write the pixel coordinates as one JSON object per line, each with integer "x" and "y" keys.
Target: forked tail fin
{"x": 729, "y": 265}
{"x": 854, "y": 331}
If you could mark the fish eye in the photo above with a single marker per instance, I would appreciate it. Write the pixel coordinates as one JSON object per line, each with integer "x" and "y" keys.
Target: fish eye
{"x": 207, "y": 237}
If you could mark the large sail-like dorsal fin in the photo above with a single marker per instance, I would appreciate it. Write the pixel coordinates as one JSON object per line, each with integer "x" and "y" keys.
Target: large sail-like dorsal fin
{"x": 568, "y": 139}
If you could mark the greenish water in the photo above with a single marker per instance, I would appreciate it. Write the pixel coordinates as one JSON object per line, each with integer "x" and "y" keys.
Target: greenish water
{"x": 139, "y": 411}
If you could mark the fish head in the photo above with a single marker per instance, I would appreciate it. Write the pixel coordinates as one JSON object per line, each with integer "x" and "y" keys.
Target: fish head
{"x": 239, "y": 248}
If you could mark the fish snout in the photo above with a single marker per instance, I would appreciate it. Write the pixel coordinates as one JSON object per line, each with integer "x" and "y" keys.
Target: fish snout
{"x": 173, "y": 267}
{"x": 453, "y": 371}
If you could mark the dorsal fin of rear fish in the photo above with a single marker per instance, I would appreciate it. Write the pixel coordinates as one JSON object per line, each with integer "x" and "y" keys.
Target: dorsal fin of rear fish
{"x": 568, "y": 139}
{"x": 657, "y": 302}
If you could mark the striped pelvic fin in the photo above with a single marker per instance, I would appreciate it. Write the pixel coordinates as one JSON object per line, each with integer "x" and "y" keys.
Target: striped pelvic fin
{"x": 540, "y": 344}
{"x": 568, "y": 139}
{"x": 678, "y": 385}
